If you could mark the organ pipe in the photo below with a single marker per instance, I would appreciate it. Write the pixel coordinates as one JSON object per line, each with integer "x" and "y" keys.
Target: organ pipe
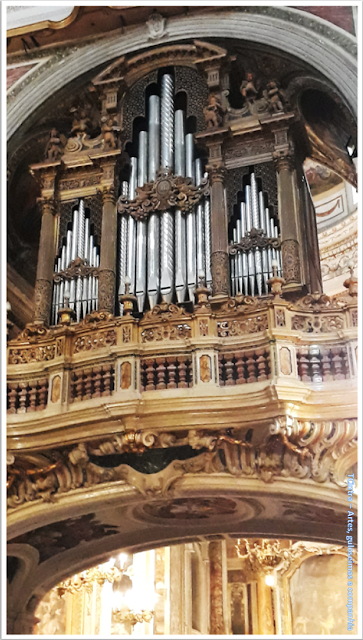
{"x": 163, "y": 254}
{"x": 78, "y": 243}
{"x": 250, "y": 270}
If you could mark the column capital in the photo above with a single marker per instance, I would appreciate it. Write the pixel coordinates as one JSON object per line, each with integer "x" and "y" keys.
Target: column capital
{"x": 108, "y": 195}
{"x": 283, "y": 160}
{"x": 216, "y": 173}
{"x": 48, "y": 205}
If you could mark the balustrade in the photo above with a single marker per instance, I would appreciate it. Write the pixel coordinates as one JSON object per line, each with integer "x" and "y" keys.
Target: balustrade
{"x": 26, "y": 396}
{"x": 239, "y": 367}
{"x": 172, "y": 372}
{"x": 322, "y": 363}
{"x": 92, "y": 382}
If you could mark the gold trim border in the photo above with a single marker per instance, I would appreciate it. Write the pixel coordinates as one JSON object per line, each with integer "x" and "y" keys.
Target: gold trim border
{"x": 45, "y": 24}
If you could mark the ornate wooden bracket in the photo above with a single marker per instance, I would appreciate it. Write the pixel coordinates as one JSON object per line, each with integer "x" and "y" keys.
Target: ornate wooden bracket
{"x": 256, "y": 238}
{"x": 78, "y": 267}
{"x": 166, "y": 191}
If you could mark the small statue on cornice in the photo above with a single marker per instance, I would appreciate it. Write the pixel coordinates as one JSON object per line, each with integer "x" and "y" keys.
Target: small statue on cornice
{"x": 249, "y": 89}
{"x": 109, "y": 130}
{"x": 156, "y": 25}
{"x": 214, "y": 111}
{"x": 81, "y": 122}
{"x": 274, "y": 97}
{"x": 54, "y": 146}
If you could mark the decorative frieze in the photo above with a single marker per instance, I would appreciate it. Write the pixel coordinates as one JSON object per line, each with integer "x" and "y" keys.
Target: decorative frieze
{"x": 317, "y": 324}
{"x": 166, "y": 332}
{"x": 232, "y": 328}
{"x": 97, "y": 340}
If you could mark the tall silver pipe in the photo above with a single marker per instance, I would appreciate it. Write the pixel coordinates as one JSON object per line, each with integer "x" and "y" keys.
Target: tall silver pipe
{"x": 153, "y": 230}
{"x": 55, "y": 297}
{"x": 96, "y": 279}
{"x": 234, "y": 266}
{"x": 91, "y": 279}
{"x": 249, "y": 225}
{"x": 80, "y": 253}
{"x": 244, "y": 254}
{"x": 167, "y": 121}
{"x": 167, "y": 160}
{"x": 68, "y": 247}
{"x": 278, "y": 252}
{"x": 62, "y": 284}
{"x": 256, "y": 225}
{"x": 86, "y": 257}
{"x": 190, "y": 220}
{"x": 262, "y": 211}
{"x": 180, "y": 256}
{"x": 72, "y": 296}
{"x": 269, "y": 249}
{"x": 199, "y": 220}
{"x": 239, "y": 258}
{"x": 141, "y": 226}
{"x": 132, "y": 227}
{"x": 207, "y": 242}
{"x": 272, "y": 235}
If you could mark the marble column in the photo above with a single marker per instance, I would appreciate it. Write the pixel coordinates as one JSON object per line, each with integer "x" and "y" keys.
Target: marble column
{"x": 217, "y": 623}
{"x": 290, "y": 249}
{"x": 219, "y": 232}
{"x": 107, "y": 271}
{"x": 45, "y": 268}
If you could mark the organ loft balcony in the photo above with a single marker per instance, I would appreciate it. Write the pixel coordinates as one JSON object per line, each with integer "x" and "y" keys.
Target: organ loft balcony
{"x": 178, "y": 295}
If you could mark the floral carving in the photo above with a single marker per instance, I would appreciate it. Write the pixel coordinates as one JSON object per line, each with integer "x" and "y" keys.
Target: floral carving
{"x": 166, "y": 332}
{"x": 78, "y": 267}
{"x": 106, "y": 290}
{"x": 317, "y": 324}
{"x": 165, "y": 192}
{"x": 220, "y": 276}
{"x": 280, "y": 317}
{"x": 97, "y": 340}
{"x": 165, "y": 312}
{"x": 126, "y": 334}
{"x": 241, "y": 304}
{"x": 253, "y": 239}
{"x": 231, "y": 328}
{"x": 42, "y": 302}
{"x": 291, "y": 261}
{"x": 32, "y": 354}
{"x": 319, "y": 302}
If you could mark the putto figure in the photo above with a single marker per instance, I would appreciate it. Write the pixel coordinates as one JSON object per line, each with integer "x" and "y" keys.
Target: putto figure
{"x": 248, "y": 89}
{"x": 274, "y": 97}
{"x": 213, "y": 112}
{"x": 53, "y": 149}
{"x": 109, "y": 132}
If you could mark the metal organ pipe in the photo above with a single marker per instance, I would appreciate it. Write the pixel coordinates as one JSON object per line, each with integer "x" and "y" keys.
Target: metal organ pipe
{"x": 207, "y": 241}
{"x": 141, "y": 226}
{"x": 190, "y": 219}
{"x": 199, "y": 220}
{"x": 153, "y": 254}
{"x": 167, "y": 157}
{"x": 252, "y": 269}
{"x": 131, "y": 227}
{"x": 180, "y": 262}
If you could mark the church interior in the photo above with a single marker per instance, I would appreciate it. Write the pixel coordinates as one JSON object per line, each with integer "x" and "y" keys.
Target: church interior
{"x": 182, "y": 320}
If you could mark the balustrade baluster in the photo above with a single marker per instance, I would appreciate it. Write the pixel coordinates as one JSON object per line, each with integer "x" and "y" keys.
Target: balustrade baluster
{"x": 12, "y": 396}
{"x": 261, "y": 364}
{"x": 33, "y": 392}
{"x": 251, "y": 366}
{"x": 97, "y": 382}
{"x": 303, "y": 364}
{"x": 23, "y": 396}
{"x": 106, "y": 370}
{"x": 240, "y": 368}
{"x": 221, "y": 369}
{"x": 43, "y": 393}
{"x": 326, "y": 366}
{"x": 189, "y": 372}
{"x": 337, "y": 363}
{"x": 143, "y": 376}
{"x": 182, "y": 384}
{"x": 87, "y": 373}
{"x": 160, "y": 373}
{"x": 345, "y": 363}
{"x": 172, "y": 372}
{"x": 229, "y": 369}
{"x": 78, "y": 386}
{"x": 150, "y": 386}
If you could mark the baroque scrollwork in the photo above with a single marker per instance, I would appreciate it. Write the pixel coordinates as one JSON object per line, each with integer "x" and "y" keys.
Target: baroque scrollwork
{"x": 166, "y": 191}
{"x": 291, "y": 261}
{"x": 97, "y": 340}
{"x": 256, "y": 238}
{"x": 320, "y": 451}
{"x": 319, "y": 302}
{"x": 78, "y": 267}
{"x": 231, "y": 328}
{"x": 166, "y": 332}
{"x": 164, "y": 312}
{"x": 317, "y": 324}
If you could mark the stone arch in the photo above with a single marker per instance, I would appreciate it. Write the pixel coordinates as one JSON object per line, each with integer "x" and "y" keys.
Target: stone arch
{"x": 297, "y": 35}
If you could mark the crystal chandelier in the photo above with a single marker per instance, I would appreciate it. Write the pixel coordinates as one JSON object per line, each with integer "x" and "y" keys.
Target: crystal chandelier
{"x": 264, "y": 555}
{"x": 86, "y": 579}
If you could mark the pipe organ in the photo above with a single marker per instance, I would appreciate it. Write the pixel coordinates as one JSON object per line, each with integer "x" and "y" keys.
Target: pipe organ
{"x": 254, "y": 242}
{"x": 162, "y": 256}
{"x": 78, "y": 251}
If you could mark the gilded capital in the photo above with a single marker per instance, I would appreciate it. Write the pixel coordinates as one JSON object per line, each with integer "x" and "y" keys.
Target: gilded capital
{"x": 283, "y": 160}
{"x": 216, "y": 173}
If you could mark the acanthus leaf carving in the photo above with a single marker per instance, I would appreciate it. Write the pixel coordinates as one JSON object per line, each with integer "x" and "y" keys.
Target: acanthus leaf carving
{"x": 168, "y": 190}
{"x": 256, "y": 238}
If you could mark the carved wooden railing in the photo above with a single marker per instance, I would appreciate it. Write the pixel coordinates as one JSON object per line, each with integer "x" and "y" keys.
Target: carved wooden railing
{"x": 243, "y": 340}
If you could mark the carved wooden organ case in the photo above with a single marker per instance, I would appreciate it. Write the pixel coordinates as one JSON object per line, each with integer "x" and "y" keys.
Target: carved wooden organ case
{"x": 177, "y": 189}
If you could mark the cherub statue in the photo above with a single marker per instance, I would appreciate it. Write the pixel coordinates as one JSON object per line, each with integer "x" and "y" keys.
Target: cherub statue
{"x": 109, "y": 132}
{"x": 274, "y": 97}
{"x": 53, "y": 149}
{"x": 248, "y": 89}
{"x": 213, "y": 112}
{"x": 80, "y": 122}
